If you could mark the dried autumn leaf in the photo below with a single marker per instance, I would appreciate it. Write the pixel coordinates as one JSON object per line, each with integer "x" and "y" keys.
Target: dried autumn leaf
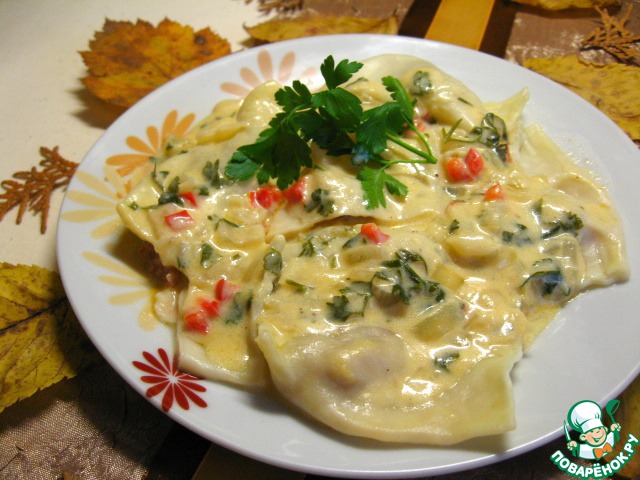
{"x": 310, "y": 25}
{"x": 126, "y": 61}
{"x": 612, "y": 87}
{"x": 565, "y": 4}
{"x": 41, "y": 341}
{"x": 613, "y": 38}
{"x": 31, "y": 190}
{"x": 282, "y": 6}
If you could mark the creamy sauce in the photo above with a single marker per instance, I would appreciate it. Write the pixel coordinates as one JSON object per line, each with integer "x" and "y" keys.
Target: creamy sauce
{"x": 398, "y": 323}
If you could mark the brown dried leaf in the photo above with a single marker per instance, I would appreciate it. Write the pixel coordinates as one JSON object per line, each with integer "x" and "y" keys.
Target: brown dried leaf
{"x": 126, "y": 61}
{"x": 31, "y": 190}
{"x": 41, "y": 341}
{"x": 310, "y": 25}
{"x": 613, "y": 38}
{"x": 612, "y": 87}
{"x": 565, "y": 4}
{"x": 281, "y": 6}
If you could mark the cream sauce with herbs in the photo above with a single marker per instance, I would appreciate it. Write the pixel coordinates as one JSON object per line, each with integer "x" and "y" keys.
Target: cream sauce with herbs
{"x": 398, "y": 323}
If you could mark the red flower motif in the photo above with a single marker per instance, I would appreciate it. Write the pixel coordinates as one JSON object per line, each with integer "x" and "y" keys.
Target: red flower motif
{"x": 165, "y": 377}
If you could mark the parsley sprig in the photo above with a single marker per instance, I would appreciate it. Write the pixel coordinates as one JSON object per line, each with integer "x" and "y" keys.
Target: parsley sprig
{"x": 335, "y": 121}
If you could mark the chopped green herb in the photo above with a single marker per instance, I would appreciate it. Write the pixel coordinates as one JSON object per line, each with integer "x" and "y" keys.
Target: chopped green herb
{"x": 308, "y": 249}
{"x": 357, "y": 294}
{"x": 547, "y": 282}
{"x": 454, "y": 225}
{"x": 272, "y": 262}
{"x": 340, "y": 308}
{"x": 239, "y": 307}
{"x": 448, "y": 135}
{"x": 183, "y": 255}
{"x": 226, "y": 222}
{"x": 518, "y": 237}
{"x": 547, "y": 278}
{"x": 491, "y": 132}
{"x": 167, "y": 194}
{"x": 536, "y": 208}
{"x": 174, "y": 185}
{"x": 359, "y": 288}
{"x": 406, "y": 282}
{"x": 421, "y": 83}
{"x": 298, "y": 287}
{"x": 211, "y": 172}
{"x": 134, "y": 206}
{"x": 569, "y": 223}
{"x": 357, "y": 239}
{"x": 321, "y": 202}
{"x": 443, "y": 362}
{"x": 502, "y": 151}
{"x": 170, "y": 197}
{"x": 208, "y": 256}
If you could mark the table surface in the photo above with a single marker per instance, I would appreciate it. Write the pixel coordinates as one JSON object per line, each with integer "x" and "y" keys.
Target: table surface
{"x": 83, "y": 428}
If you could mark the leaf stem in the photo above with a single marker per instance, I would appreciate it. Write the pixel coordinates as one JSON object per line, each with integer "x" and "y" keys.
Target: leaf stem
{"x": 428, "y": 156}
{"x": 424, "y": 142}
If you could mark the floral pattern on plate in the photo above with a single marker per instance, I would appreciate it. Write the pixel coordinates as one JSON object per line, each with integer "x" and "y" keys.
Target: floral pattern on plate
{"x": 175, "y": 386}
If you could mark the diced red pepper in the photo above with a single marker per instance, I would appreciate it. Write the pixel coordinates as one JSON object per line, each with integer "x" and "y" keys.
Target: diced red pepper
{"x": 373, "y": 233}
{"x": 199, "y": 321}
{"x": 190, "y": 198}
{"x": 196, "y": 322}
{"x": 475, "y": 162}
{"x": 457, "y": 170}
{"x": 295, "y": 193}
{"x": 467, "y": 170}
{"x": 494, "y": 192}
{"x": 224, "y": 290}
{"x": 265, "y": 197}
{"x": 179, "y": 220}
{"x": 210, "y": 307}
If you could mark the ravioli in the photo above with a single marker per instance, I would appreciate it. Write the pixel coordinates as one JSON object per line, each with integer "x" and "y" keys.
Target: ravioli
{"x": 396, "y": 323}
{"x": 363, "y": 338}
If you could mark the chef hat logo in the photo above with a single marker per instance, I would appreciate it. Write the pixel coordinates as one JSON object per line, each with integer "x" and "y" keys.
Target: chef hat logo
{"x": 585, "y": 416}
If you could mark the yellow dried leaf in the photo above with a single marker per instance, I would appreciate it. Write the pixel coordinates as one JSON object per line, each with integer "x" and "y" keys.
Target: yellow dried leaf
{"x": 612, "y": 87}
{"x": 310, "y": 25}
{"x": 41, "y": 341}
{"x": 126, "y": 61}
{"x": 564, "y": 4}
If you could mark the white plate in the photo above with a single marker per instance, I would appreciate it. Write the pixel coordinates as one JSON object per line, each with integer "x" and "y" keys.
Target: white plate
{"x": 591, "y": 351}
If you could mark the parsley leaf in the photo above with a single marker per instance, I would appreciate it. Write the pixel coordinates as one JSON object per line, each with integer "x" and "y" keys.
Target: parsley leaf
{"x": 342, "y": 106}
{"x": 374, "y": 182}
{"x": 337, "y": 75}
{"x": 372, "y": 134}
{"x": 292, "y": 97}
{"x": 318, "y": 127}
{"x": 335, "y": 120}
